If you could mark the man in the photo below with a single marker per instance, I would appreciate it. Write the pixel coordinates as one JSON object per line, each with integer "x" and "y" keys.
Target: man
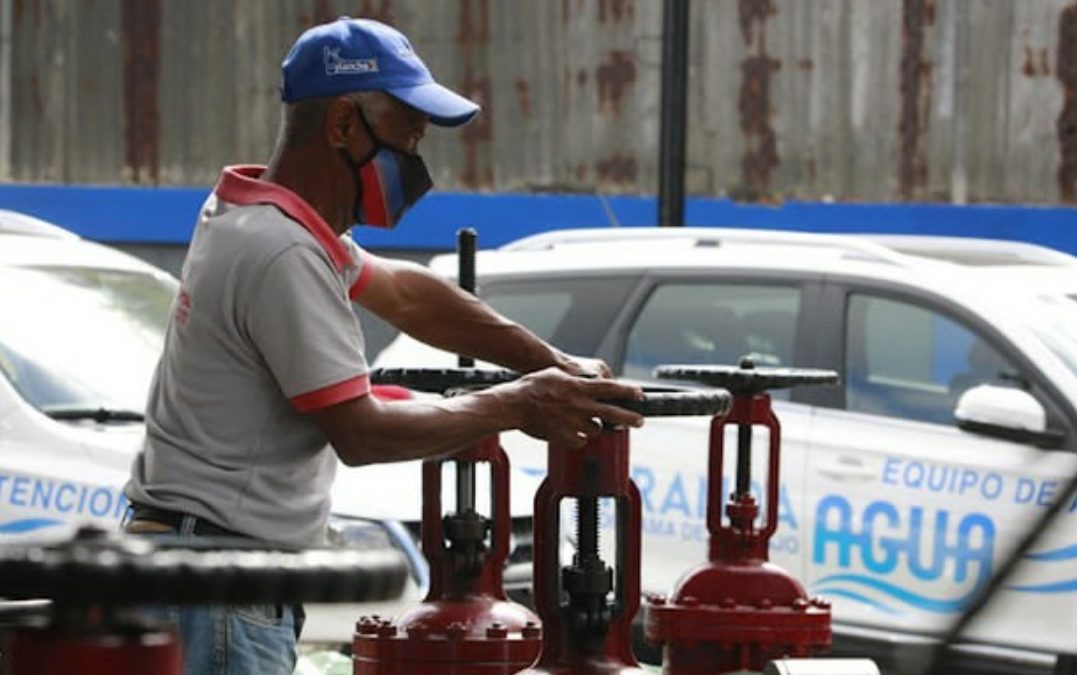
{"x": 263, "y": 359}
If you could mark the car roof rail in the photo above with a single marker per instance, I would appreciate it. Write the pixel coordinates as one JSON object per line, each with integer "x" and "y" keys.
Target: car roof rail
{"x": 973, "y": 251}
{"x": 712, "y": 236}
{"x": 13, "y": 222}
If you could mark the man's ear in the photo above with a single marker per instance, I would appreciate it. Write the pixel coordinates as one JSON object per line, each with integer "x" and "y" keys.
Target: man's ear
{"x": 340, "y": 122}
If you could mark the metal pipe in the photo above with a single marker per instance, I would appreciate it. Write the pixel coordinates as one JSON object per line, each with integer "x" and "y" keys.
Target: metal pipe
{"x": 466, "y": 244}
{"x": 673, "y": 122}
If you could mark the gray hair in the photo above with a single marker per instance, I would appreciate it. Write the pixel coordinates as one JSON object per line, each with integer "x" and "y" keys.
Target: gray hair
{"x": 303, "y": 120}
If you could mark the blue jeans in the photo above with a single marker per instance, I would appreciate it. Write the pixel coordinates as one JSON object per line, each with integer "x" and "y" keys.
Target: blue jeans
{"x": 233, "y": 639}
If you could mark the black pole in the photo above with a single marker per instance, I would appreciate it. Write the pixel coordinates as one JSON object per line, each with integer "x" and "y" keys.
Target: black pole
{"x": 673, "y": 131}
{"x": 466, "y": 245}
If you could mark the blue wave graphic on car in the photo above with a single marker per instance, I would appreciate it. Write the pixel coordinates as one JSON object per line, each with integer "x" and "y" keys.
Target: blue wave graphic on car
{"x": 27, "y": 525}
{"x": 1064, "y": 553}
{"x": 859, "y": 597}
{"x": 833, "y": 585}
{"x": 1066, "y": 586}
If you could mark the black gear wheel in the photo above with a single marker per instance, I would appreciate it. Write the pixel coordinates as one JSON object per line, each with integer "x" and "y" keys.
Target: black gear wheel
{"x": 98, "y": 567}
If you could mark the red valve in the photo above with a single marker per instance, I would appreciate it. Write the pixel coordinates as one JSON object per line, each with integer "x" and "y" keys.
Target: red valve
{"x": 739, "y": 610}
{"x": 465, "y": 625}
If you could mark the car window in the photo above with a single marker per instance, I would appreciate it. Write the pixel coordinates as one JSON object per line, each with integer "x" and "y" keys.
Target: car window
{"x": 542, "y": 311}
{"x": 572, "y": 314}
{"x": 905, "y": 360}
{"x": 713, "y": 323}
{"x": 81, "y": 337}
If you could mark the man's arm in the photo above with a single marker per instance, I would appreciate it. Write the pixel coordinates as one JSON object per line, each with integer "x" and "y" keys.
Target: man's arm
{"x": 429, "y": 308}
{"x": 550, "y": 405}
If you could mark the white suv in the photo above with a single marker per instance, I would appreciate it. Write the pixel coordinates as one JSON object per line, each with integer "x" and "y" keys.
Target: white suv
{"x": 890, "y": 507}
{"x": 82, "y": 329}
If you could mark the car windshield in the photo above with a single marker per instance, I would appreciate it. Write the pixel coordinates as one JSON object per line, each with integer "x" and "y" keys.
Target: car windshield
{"x": 82, "y": 340}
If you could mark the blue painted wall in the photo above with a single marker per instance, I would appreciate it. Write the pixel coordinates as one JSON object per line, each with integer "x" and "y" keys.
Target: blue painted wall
{"x": 166, "y": 216}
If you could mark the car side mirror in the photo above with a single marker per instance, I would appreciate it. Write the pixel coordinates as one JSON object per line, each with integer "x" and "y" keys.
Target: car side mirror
{"x": 1005, "y": 412}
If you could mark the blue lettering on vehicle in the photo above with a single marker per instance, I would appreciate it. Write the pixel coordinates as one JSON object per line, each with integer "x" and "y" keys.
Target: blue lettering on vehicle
{"x": 882, "y": 538}
{"x": 51, "y": 502}
{"x": 675, "y": 505}
{"x": 942, "y": 478}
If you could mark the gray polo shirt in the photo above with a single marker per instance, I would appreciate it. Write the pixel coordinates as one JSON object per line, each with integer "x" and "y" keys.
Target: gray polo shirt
{"x": 262, "y": 332}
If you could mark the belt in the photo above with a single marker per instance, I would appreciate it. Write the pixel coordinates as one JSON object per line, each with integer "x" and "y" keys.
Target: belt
{"x": 174, "y": 520}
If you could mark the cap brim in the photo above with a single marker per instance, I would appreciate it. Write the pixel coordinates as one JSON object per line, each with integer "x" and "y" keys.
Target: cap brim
{"x": 445, "y": 107}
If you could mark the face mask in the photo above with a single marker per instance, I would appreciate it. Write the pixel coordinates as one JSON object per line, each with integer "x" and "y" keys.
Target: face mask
{"x": 388, "y": 182}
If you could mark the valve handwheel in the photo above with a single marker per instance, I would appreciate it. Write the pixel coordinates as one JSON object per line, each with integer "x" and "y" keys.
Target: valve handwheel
{"x": 441, "y": 380}
{"x": 105, "y": 568}
{"x": 746, "y": 379}
{"x": 669, "y": 402}
{"x": 656, "y": 402}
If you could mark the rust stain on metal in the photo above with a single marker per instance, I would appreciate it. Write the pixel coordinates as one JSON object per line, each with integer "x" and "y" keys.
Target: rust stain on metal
{"x": 582, "y": 77}
{"x": 474, "y": 21}
{"x": 917, "y": 15}
{"x": 1066, "y": 72}
{"x": 141, "y": 29}
{"x": 805, "y": 64}
{"x": 616, "y": 10}
{"x": 617, "y": 169}
{"x": 380, "y": 10}
{"x": 756, "y": 112}
{"x": 523, "y": 93}
{"x": 1029, "y": 66}
{"x": 614, "y": 77}
{"x": 472, "y": 35}
{"x": 761, "y": 142}
{"x": 18, "y": 10}
{"x": 1037, "y": 62}
{"x": 751, "y": 12}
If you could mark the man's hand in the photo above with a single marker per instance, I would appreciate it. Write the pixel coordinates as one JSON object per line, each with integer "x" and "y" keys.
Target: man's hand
{"x": 566, "y": 409}
{"x": 583, "y": 366}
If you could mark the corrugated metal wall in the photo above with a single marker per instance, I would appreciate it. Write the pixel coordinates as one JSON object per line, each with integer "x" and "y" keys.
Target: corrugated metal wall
{"x": 948, "y": 100}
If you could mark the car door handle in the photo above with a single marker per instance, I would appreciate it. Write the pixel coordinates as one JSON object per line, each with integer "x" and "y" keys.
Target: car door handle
{"x": 847, "y": 468}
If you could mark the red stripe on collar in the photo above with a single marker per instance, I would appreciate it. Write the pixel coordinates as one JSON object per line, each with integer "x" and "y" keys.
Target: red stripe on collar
{"x": 241, "y": 185}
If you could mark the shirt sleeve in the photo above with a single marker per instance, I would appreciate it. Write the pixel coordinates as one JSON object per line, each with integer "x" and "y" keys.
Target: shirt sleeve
{"x": 302, "y": 324}
{"x": 358, "y": 276}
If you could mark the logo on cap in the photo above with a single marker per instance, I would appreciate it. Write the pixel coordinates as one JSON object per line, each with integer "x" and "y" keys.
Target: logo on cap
{"x": 336, "y": 65}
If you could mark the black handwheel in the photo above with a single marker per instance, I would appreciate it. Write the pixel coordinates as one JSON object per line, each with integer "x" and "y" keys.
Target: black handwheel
{"x": 98, "y": 567}
{"x": 746, "y": 379}
{"x": 666, "y": 402}
{"x": 441, "y": 380}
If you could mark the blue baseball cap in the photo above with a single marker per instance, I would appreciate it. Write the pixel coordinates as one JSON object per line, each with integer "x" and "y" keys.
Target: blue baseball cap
{"x": 349, "y": 55}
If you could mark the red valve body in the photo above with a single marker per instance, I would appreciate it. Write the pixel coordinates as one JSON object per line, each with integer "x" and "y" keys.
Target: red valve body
{"x": 466, "y": 625}
{"x": 737, "y": 611}
{"x": 58, "y": 652}
{"x": 562, "y": 651}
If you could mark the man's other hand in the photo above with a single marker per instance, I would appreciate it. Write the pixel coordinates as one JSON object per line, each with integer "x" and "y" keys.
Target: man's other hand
{"x": 566, "y": 409}
{"x": 583, "y": 366}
